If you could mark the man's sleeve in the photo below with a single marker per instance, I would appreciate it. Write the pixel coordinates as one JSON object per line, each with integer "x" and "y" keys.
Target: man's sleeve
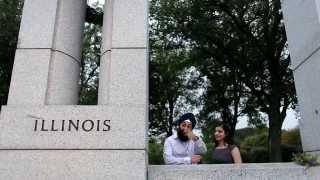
{"x": 200, "y": 147}
{"x": 170, "y": 159}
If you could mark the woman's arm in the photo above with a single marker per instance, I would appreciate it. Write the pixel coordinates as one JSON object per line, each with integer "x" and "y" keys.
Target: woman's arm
{"x": 235, "y": 152}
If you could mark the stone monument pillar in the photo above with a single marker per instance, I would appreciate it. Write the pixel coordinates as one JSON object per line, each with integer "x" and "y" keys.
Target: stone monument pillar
{"x": 47, "y": 62}
{"x": 44, "y": 134}
{"x": 124, "y": 54}
{"x": 302, "y": 21}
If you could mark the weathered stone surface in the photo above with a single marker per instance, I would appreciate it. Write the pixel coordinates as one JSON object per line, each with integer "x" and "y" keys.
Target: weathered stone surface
{"x": 37, "y": 24}
{"x": 307, "y": 87}
{"x": 53, "y": 24}
{"x": 57, "y": 26}
{"x": 72, "y": 165}
{"x": 29, "y": 77}
{"x": 127, "y": 127}
{"x": 313, "y": 173}
{"x": 63, "y": 87}
{"x": 268, "y": 171}
{"x": 127, "y": 78}
{"x": 42, "y": 76}
{"x": 107, "y": 26}
{"x": 41, "y": 137}
{"x": 129, "y": 24}
{"x": 302, "y": 23}
{"x": 69, "y": 27}
{"x": 104, "y": 79}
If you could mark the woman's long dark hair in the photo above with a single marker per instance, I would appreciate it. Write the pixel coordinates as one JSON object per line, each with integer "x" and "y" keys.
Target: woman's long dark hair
{"x": 227, "y": 131}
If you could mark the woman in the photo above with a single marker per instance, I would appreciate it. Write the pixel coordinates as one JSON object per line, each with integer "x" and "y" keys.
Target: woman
{"x": 225, "y": 151}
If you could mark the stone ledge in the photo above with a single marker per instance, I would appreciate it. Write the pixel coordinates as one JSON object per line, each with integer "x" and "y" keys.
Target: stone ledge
{"x": 72, "y": 165}
{"x": 261, "y": 171}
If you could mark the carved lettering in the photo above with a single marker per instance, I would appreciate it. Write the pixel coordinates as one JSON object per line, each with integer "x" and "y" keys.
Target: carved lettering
{"x": 87, "y": 125}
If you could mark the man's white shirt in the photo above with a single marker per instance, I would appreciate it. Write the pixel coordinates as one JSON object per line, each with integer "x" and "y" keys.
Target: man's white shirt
{"x": 178, "y": 152}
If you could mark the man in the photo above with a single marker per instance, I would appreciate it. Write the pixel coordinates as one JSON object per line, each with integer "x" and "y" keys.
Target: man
{"x": 184, "y": 147}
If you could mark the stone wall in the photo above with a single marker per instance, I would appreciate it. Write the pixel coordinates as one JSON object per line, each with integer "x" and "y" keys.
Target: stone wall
{"x": 263, "y": 171}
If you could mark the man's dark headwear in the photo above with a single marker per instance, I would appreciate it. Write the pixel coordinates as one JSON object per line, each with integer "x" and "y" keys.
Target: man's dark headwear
{"x": 187, "y": 116}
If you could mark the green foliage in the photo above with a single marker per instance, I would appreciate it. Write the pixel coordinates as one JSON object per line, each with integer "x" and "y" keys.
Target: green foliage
{"x": 173, "y": 81}
{"x": 207, "y": 158}
{"x": 291, "y": 137}
{"x": 240, "y": 48}
{"x": 305, "y": 159}
{"x": 10, "y": 16}
{"x": 208, "y": 131}
{"x": 155, "y": 152}
{"x": 260, "y": 139}
{"x": 90, "y": 62}
{"x": 254, "y": 144}
{"x": 254, "y": 148}
{"x": 241, "y": 134}
{"x": 291, "y": 144}
{"x": 258, "y": 155}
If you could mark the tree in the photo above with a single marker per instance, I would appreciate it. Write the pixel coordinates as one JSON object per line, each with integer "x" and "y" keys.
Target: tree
{"x": 291, "y": 144}
{"x": 222, "y": 99}
{"x": 243, "y": 44}
{"x": 155, "y": 152}
{"x": 165, "y": 89}
{"x": 89, "y": 70}
{"x": 254, "y": 148}
{"x": 172, "y": 80}
{"x": 10, "y": 17}
{"x": 94, "y": 15}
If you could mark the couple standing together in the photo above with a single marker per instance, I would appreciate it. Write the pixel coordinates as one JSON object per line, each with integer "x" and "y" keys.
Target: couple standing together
{"x": 185, "y": 147}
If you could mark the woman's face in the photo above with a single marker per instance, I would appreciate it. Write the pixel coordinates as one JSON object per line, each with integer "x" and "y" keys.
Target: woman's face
{"x": 219, "y": 134}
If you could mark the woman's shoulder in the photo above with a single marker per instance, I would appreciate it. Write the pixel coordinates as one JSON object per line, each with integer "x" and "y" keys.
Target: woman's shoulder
{"x": 233, "y": 147}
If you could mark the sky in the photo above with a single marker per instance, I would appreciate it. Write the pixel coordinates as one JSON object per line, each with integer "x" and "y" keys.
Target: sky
{"x": 94, "y": 1}
{"x": 290, "y": 122}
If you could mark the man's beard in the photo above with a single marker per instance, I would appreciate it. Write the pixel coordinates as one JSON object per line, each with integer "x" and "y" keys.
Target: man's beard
{"x": 182, "y": 136}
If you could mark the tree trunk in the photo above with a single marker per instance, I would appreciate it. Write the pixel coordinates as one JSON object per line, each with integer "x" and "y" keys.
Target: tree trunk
{"x": 171, "y": 108}
{"x": 235, "y": 116}
{"x": 275, "y": 120}
{"x": 236, "y": 97}
{"x": 274, "y": 140}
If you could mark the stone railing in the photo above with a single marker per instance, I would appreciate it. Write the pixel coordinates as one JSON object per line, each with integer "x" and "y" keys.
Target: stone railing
{"x": 262, "y": 171}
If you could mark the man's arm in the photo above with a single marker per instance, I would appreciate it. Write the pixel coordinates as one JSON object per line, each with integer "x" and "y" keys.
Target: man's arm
{"x": 170, "y": 159}
{"x": 199, "y": 146}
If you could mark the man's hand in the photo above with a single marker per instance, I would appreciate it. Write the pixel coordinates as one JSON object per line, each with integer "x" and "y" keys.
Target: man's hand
{"x": 192, "y": 136}
{"x": 195, "y": 159}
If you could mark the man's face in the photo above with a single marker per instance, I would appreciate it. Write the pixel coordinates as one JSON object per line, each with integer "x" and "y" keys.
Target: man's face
{"x": 183, "y": 130}
{"x": 185, "y": 127}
